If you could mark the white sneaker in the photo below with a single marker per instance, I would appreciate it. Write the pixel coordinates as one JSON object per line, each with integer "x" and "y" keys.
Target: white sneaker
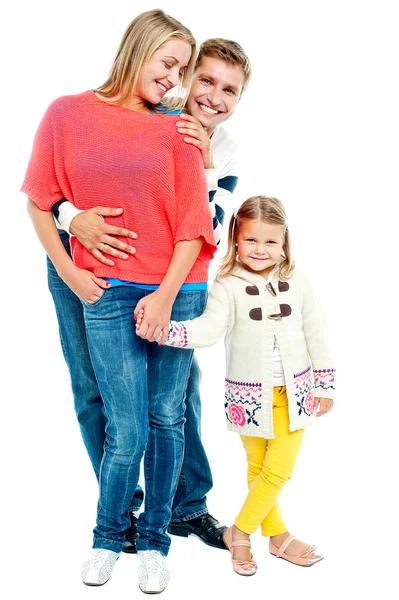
{"x": 97, "y": 569}
{"x": 153, "y": 571}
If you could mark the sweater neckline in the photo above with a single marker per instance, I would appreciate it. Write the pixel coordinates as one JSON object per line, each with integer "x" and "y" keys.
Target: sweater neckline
{"x": 134, "y": 114}
{"x": 250, "y": 277}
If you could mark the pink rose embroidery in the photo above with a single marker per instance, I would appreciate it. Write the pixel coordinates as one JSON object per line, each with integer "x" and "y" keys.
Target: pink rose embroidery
{"x": 309, "y": 403}
{"x": 237, "y": 415}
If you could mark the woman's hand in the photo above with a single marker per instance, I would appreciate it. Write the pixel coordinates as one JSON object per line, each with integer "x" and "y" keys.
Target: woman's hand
{"x": 85, "y": 284}
{"x": 190, "y": 126}
{"x": 153, "y": 317}
{"x": 98, "y": 237}
{"x": 324, "y": 405}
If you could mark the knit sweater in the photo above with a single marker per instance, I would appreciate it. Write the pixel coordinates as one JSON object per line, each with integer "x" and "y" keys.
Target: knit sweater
{"x": 86, "y": 149}
{"x": 252, "y": 313}
{"x": 222, "y": 181}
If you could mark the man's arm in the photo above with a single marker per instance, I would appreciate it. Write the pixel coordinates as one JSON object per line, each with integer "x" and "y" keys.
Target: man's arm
{"x": 93, "y": 232}
{"x": 220, "y": 162}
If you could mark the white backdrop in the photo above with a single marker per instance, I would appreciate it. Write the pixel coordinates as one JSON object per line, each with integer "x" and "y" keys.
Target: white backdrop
{"x": 318, "y": 127}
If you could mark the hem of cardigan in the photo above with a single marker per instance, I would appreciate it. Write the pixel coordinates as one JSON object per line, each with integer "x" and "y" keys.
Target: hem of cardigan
{"x": 251, "y": 432}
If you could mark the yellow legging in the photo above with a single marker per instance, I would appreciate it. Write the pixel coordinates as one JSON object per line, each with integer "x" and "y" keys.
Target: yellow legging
{"x": 270, "y": 466}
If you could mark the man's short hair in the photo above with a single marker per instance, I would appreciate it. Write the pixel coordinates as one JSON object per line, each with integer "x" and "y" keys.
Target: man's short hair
{"x": 226, "y": 50}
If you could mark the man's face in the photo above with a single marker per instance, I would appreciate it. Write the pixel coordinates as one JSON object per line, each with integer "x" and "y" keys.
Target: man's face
{"x": 215, "y": 91}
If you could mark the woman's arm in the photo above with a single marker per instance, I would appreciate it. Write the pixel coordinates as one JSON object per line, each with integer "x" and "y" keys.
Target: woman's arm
{"x": 84, "y": 284}
{"x": 158, "y": 305}
{"x": 207, "y": 329}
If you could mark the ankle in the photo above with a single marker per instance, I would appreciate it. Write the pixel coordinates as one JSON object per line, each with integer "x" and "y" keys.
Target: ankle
{"x": 238, "y": 534}
{"x": 277, "y": 540}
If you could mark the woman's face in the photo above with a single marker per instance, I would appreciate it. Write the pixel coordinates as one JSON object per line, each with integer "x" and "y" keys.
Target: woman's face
{"x": 164, "y": 70}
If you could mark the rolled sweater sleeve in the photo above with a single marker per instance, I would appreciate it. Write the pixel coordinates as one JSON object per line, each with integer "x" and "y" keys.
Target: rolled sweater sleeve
{"x": 41, "y": 183}
{"x": 207, "y": 329}
{"x": 315, "y": 330}
{"x": 194, "y": 218}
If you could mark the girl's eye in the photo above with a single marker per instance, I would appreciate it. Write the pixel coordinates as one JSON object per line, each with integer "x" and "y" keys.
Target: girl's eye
{"x": 271, "y": 242}
{"x": 167, "y": 65}
{"x": 250, "y": 240}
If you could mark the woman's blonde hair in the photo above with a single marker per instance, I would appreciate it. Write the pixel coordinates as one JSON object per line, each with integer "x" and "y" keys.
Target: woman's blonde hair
{"x": 269, "y": 210}
{"x": 145, "y": 34}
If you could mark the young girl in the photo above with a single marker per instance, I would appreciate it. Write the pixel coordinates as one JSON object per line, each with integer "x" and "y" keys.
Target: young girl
{"x": 279, "y": 370}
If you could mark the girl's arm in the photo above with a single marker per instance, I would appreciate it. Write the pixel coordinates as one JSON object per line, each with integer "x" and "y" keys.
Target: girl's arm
{"x": 315, "y": 330}
{"x": 205, "y": 330}
{"x": 84, "y": 284}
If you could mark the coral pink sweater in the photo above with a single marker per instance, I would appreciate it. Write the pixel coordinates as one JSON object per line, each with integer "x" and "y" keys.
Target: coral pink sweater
{"x": 95, "y": 153}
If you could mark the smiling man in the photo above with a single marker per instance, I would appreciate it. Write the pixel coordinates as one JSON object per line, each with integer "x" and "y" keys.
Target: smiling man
{"x": 221, "y": 76}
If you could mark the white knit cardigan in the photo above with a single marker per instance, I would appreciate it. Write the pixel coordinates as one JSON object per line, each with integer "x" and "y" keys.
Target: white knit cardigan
{"x": 253, "y": 312}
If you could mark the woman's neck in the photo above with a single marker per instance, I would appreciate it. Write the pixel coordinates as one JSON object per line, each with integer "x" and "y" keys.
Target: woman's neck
{"x": 134, "y": 103}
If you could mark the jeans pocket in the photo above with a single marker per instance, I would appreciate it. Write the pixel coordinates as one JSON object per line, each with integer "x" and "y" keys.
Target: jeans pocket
{"x": 92, "y": 304}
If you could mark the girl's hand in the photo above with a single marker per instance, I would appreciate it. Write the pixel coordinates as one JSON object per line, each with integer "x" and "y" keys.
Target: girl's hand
{"x": 198, "y": 136}
{"x": 156, "y": 318}
{"x": 324, "y": 405}
{"x": 85, "y": 284}
{"x": 139, "y": 319}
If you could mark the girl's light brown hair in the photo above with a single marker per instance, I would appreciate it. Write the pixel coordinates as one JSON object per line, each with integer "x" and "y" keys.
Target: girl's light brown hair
{"x": 269, "y": 210}
{"x": 145, "y": 34}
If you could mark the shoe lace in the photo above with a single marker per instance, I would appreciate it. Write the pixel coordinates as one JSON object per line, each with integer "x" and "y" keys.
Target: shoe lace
{"x": 99, "y": 558}
{"x": 154, "y": 562}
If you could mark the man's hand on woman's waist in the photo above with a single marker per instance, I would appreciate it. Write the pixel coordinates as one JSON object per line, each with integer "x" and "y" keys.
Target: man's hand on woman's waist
{"x": 98, "y": 237}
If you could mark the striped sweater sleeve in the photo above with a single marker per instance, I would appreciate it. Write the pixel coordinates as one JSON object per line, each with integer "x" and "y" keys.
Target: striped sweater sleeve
{"x": 222, "y": 181}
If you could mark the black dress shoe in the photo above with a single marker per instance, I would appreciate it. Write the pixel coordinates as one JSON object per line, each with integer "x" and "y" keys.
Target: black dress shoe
{"x": 207, "y": 528}
{"x": 131, "y": 535}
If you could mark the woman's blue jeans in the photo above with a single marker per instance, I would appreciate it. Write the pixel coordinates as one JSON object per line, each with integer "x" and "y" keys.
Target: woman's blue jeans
{"x": 195, "y": 478}
{"x": 143, "y": 388}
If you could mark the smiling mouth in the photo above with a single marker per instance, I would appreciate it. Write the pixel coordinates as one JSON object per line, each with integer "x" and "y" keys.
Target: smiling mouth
{"x": 253, "y": 258}
{"x": 208, "y": 110}
{"x": 161, "y": 87}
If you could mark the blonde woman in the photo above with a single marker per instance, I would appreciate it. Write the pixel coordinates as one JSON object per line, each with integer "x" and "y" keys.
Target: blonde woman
{"x": 115, "y": 143}
{"x": 279, "y": 370}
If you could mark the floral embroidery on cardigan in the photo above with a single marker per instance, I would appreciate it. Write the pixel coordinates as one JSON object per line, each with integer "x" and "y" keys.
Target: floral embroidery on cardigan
{"x": 243, "y": 400}
{"x": 324, "y": 378}
{"x": 177, "y": 335}
{"x": 304, "y": 386}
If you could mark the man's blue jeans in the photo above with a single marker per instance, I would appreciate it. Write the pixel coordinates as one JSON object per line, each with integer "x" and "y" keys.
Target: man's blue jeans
{"x": 143, "y": 387}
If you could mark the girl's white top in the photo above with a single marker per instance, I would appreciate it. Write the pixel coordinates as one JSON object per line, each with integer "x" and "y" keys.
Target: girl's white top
{"x": 252, "y": 313}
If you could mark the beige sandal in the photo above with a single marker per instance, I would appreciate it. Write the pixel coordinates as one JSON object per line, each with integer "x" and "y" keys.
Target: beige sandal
{"x": 242, "y": 567}
{"x": 306, "y": 559}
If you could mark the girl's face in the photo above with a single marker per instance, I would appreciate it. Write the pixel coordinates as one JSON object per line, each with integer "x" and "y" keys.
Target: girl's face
{"x": 164, "y": 70}
{"x": 259, "y": 245}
